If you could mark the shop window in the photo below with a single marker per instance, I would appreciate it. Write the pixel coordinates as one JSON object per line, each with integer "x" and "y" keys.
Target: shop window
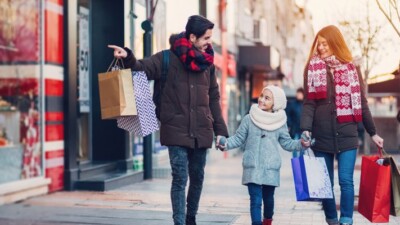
{"x": 20, "y": 148}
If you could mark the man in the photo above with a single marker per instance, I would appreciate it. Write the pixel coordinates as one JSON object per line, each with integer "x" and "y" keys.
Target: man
{"x": 190, "y": 109}
{"x": 293, "y": 111}
{"x": 398, "y": 116}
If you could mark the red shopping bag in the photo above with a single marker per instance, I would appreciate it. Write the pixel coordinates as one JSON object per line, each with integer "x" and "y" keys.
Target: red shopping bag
{"x": 374, "y": 196}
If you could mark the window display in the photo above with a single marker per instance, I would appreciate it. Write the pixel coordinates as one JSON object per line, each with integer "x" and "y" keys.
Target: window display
{"x": 19, "y": 132}
{"x": 7, "y": 116}
{"x": 20, "y": 150}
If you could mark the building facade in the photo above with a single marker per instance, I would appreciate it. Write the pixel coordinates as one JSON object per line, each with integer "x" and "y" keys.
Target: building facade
{"x": 273, "y": 40}
{"x": 31, "y": 98}
{"x": 52, "y": 136}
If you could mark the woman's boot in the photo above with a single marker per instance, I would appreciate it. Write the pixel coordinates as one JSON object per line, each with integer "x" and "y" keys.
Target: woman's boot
{"x": 267, "y": 222}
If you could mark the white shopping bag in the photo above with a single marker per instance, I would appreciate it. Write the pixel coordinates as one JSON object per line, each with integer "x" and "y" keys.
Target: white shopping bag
{"x": 311, "y": 178}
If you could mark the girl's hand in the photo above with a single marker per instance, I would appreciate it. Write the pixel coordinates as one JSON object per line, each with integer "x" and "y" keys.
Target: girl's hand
{"x": 221, "y": 147}
{"x": 304, "y": 143}
{"x": 306, "y": 140}
{"x": 119, "y": 52}
{"x": 221, "y": 143}
{"x": 377, "y": 140}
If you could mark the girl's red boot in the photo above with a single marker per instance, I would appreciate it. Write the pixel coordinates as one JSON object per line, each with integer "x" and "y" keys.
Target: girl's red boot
{"x": 267, "y": 222}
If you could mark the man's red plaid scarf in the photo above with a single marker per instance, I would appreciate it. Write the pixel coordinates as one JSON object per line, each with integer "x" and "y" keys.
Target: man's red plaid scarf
{"x": 190, "y": 56}
{"x": 347, "y": 86}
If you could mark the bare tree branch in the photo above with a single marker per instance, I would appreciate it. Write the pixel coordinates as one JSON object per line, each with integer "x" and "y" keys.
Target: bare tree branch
{"x": 363, "y": 37}
{"x": 396, "y": 9}
{"x": 392, "y": 4}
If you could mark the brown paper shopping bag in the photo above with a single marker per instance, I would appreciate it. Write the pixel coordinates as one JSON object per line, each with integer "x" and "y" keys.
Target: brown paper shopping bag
{"x": 395, "y": 206}
{"x": 116, "y": 93}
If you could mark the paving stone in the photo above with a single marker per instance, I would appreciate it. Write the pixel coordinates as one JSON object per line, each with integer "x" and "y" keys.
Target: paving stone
{"x": 224, "y": 201}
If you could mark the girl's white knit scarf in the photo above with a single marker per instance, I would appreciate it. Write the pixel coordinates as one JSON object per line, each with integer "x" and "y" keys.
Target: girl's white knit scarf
{"x": 347, "y": 86}
{"x": 267, "y": 120}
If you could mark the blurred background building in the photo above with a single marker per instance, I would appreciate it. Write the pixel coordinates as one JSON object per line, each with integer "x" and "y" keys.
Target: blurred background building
{"x": 51, "y": 133}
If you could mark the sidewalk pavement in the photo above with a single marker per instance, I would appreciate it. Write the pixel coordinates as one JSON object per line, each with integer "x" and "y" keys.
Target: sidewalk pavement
{"x": 224, "y": 201}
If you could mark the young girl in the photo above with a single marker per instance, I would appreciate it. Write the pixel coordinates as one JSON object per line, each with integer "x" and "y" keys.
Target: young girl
{"x": 263, "y": 132}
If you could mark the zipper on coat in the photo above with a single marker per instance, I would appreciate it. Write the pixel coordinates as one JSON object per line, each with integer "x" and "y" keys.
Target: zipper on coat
{"x": 332, "y": 103}
{"x": 174, "y": 85}
{"x": 192, "y": 105}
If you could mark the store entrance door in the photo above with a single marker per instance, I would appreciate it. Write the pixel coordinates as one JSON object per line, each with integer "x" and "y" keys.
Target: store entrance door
{"x": 83, "y": 81}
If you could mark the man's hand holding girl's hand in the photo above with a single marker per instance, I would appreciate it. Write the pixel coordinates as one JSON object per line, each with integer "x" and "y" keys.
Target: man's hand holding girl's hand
{"x": 221, "y": 143}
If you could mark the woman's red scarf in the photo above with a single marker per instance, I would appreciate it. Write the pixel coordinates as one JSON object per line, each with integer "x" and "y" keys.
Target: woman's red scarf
{"x": 347, "y": 86}
{"x": 190, "y": 56}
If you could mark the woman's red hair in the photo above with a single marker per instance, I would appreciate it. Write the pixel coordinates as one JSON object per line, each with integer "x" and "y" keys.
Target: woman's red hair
{"x": 336, "y": 44}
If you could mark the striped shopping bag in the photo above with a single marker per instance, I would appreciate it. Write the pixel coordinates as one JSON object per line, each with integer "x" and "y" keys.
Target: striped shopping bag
{"x": 145, "y": 122}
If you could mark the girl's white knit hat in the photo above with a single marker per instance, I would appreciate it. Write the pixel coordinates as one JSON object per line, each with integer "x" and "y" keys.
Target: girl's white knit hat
{"x": 279, "y": 97}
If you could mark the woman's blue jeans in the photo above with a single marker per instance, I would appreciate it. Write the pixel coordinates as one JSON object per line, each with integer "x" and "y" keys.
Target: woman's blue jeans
{"x": 258, "y": 194}
{"x": 186, "y": 162}
{"x": 346, "y": 161}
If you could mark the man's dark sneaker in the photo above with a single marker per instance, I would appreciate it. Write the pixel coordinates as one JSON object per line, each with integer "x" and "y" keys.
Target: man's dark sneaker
{"x": 190, "y": 220}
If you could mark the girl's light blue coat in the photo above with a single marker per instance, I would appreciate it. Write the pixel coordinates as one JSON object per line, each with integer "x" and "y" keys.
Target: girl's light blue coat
{"x": 261, "y": 159}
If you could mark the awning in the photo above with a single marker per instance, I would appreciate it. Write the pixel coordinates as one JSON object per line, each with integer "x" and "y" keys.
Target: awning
{"x": 258, "y": 58}
{"x": 388, "y": 86}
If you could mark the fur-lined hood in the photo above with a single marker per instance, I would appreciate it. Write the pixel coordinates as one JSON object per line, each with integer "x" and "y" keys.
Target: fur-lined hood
{"x": 172, "y": 39}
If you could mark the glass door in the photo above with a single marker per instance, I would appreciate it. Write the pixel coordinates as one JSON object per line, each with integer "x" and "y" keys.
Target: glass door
{"x": 83, "y": 81}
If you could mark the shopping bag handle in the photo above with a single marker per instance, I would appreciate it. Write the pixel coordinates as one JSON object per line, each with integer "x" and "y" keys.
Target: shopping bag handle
{"x": 381, "y": 152}
{"x": 115, "y": 62}
{"x": 308, "y": 152}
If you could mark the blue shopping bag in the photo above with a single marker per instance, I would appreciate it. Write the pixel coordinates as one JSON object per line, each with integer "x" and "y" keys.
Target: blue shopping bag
{"x": 311, "y": 178}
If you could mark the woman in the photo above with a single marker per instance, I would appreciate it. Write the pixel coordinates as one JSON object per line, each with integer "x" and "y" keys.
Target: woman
{"x": 334, "y": 103}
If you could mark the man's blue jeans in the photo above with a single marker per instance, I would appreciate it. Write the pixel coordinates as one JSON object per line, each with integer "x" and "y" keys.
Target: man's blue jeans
{"x": 346, "y": 162}
{"x": 258, "y": 194}
{"x": 184, "y": 162}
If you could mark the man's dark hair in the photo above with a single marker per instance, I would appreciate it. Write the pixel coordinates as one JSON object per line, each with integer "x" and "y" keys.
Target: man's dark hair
{"x": 197, "y": 25}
